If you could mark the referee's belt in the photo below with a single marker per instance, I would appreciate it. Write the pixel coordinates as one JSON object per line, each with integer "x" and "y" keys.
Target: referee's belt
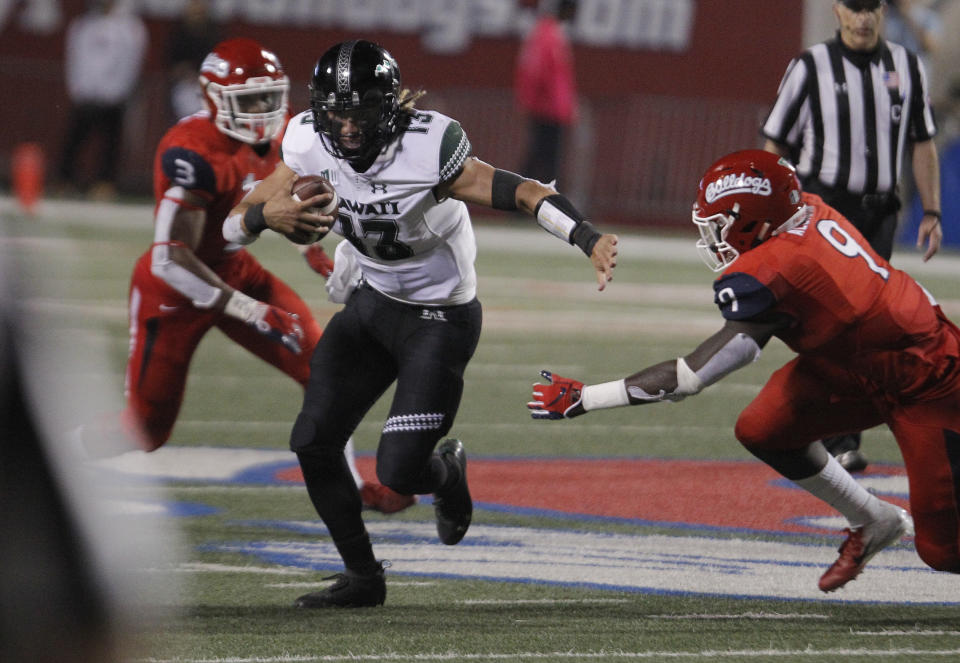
{"x": 876, "y": 203}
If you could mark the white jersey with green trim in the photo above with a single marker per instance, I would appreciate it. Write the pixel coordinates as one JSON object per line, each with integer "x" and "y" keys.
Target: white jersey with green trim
{"x": 411, "y": 246}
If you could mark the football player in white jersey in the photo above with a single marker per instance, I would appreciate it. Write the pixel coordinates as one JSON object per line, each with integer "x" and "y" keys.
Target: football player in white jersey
{"x": 403, "y": 177}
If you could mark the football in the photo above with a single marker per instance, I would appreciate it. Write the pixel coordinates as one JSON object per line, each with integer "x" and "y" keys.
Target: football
{"x": 307, "y": 187}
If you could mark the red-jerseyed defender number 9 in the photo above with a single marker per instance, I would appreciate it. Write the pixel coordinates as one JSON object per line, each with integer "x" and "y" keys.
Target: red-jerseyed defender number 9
{"x": 306, "y": 187}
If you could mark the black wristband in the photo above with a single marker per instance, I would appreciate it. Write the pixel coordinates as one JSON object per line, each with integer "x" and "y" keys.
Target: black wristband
{"x": 586, "y": 237}
{"x": 503, "y": 194}
{"x": 253, "y": 219}
{"x": 933, "y": 212}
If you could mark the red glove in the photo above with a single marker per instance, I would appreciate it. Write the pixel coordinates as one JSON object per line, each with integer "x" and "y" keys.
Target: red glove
{"x": 318, "y": 260}
{"x": 274, "y": 323}
{"x": 558, "y": 399}
{"x": 278, "y": 325}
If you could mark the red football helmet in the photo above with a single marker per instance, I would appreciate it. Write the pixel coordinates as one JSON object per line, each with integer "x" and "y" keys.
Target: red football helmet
{"x": 744, "y": 199}
{"x": 246, "y": 90}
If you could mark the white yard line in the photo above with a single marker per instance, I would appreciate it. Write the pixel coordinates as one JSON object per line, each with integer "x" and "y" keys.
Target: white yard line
{"x": 935, "y": 633}
{"x": 542, "y": 601}
{"x": 743, "y": 654}
{"x": 789, "y": 616}
{"x": 203, "y": 567}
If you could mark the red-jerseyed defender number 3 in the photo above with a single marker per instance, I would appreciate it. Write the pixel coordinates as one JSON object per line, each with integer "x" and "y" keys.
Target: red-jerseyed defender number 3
{"x": 306, "y": 187}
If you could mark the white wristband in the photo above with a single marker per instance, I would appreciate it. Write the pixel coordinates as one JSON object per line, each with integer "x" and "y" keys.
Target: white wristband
{"x": 608, "y": 394}
{"x": 241, "y": 306}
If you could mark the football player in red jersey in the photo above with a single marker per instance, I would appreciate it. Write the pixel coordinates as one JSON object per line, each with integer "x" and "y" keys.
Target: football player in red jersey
{"x": 873, "y": 348}
{"x": 191, "y": 279}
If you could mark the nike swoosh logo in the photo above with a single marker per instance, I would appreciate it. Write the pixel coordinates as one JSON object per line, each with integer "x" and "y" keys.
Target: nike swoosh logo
{"x": 168, "y": 309}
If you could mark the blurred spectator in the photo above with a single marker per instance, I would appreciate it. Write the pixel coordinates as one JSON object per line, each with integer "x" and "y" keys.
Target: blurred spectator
{"x": 194, "y": 35}
{"x": 105, "y": 48}
{"x": 915, "y": 25}
{"x": 546, "y": 89}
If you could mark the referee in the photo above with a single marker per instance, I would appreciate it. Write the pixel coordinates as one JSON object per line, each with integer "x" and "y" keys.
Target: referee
{"x": 847, "y": 112}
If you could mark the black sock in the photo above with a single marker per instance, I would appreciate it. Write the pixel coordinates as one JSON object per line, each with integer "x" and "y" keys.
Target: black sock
{"x": 357, "y": 554}
{"x": 334, "y": 494}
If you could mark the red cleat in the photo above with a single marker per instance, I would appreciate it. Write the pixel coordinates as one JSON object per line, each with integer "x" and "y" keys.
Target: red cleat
{"x": 378, "y": 497}
{"x": 862, "y": 544}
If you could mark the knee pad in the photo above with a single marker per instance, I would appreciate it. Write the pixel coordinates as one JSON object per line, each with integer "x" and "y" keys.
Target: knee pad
{"x": 750, "y": 433}
{"x": 311, "y": 448}
{"x": 406, "y": 470}
{"x": 939, "y": 557}
{"x": 303, "y": 437}
{"x": 755, "y": 433}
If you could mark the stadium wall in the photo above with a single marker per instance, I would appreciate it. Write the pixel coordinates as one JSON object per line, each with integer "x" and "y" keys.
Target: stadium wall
{"x": 666, "y": 85}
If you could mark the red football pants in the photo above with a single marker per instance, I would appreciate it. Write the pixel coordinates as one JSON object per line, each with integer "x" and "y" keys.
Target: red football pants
{"x": 809, "y": 399}
{"x": 165, "y": 329}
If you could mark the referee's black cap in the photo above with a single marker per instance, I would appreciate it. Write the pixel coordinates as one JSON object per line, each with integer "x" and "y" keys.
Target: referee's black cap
{"x": 862, "y": 5}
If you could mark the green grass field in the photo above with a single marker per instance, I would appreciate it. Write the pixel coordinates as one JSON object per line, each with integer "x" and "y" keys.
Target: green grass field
{"x": 250, "y": 547}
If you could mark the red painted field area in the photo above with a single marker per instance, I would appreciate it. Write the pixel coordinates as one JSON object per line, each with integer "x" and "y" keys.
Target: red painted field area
{"x": 720, "y": 494}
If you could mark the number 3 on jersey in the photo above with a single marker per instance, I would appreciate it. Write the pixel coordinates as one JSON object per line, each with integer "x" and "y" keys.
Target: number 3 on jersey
{"x": 386, "y": 246}
{"x": 841, "y": 240}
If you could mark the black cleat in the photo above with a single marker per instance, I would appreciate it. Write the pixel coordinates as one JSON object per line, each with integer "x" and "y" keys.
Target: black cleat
{"x": 453, "y": 506}
{"x": 852, "y": 460}
{"x": 351, "y": 590}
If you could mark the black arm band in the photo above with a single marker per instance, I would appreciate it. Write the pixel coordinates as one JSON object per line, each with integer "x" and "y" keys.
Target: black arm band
{"x": 934, "y": 213}
{"x": 504, "y": 190}
{"x": 253, "y": 219}
{"x": 586, "y": 237}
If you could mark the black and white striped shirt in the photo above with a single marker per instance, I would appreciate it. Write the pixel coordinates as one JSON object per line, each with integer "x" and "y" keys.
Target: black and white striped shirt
{"x": 847, "y": 125}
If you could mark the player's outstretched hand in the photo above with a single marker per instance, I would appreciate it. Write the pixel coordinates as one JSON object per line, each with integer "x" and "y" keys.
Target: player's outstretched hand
{"x": 559, "y": 398}
{"x": 604, "y": 259}
{"x": 318, "y": 259}
{"x": 278, "y": 325}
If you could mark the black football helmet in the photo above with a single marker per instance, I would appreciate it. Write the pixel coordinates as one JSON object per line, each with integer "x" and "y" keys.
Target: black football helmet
{"x": 356, "y": 82}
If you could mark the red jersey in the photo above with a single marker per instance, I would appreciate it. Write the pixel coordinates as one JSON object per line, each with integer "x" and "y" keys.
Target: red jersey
{"x": 194, "y": 154}
{"x": 845, "y": 303}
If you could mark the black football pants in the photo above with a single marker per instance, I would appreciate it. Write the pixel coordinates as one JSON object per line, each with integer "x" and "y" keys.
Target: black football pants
{"x": 368, "y": 345}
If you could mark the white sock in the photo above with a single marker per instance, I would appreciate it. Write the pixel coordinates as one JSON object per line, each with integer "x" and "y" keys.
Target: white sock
{"x": 836, "y": 487}
{"x": 352, "y": 463}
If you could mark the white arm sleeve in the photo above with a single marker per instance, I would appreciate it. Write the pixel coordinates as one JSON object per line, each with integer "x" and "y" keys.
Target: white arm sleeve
{"x": 736, "y": 353}
{"x": 188, "y": 284}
